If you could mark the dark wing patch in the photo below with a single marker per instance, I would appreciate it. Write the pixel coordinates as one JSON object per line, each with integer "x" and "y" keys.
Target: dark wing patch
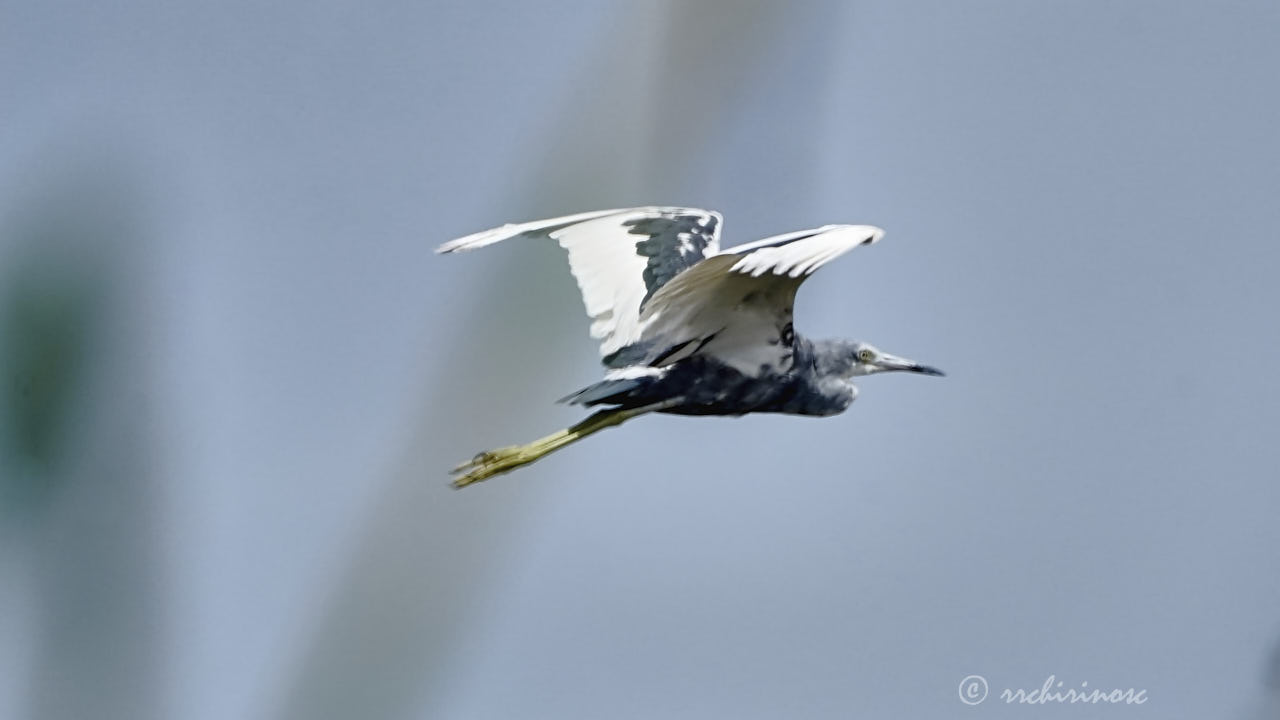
{"x": 633, "y": 354}
{"x": 674, "y": 242}
{"x": 692, "y": 346}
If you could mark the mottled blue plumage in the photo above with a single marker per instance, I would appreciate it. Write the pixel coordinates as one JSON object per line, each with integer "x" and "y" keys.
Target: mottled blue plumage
{"x": 672, "y": 241}
{"x": 815, "y": 384}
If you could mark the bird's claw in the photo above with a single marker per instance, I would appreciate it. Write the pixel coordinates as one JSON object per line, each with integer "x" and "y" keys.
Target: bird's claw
{"x": 480, "y": 458}
{"x": 488, "y": 463}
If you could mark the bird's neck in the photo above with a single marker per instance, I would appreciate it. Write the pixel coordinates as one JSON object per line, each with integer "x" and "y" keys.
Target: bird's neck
{"x": 831, "y": 358}
{"x": 829, "y": 391}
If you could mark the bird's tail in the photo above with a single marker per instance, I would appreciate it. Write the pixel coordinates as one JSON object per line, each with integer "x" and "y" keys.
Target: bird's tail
{"x": 605, "y": 392}
{"x": 495, "y": 462}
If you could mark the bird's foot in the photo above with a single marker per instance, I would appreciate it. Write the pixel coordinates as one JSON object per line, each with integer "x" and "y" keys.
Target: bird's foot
{"x": 487, "y": 464}
{"x": 502, "y": 460}
{"x": 495, "y": 462}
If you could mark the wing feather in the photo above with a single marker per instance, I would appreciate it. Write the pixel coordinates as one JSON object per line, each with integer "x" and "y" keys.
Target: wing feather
{"x": 620, "y": 258}
{"x": 736, "y": 305}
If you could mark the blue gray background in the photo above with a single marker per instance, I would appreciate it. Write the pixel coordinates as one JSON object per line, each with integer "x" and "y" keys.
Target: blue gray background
{"x": 234, "y": 374}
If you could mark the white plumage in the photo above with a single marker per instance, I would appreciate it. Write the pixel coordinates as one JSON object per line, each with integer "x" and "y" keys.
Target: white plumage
{"x": 604, "y": 261}
{"x": 742, "y": 297}
{"x": 732, "y": 304}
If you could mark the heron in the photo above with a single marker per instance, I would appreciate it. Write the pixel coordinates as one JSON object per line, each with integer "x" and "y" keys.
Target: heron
{"x": 686, "y": 328}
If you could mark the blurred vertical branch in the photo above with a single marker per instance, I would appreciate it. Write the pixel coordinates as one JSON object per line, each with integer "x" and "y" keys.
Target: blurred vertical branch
{"x": 636, "y": 127}
{"x": 76, "y": 494}
{"x": 49, "y": 315}
{"x": 1268, "y": 707}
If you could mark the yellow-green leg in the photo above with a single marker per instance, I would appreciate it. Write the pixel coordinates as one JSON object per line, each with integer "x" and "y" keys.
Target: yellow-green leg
{"x": 495, "y": 462}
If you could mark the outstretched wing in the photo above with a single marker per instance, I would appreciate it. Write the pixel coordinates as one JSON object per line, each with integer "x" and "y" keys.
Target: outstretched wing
{"x": 736, "y": 305}
{"x": 620, "y": 258}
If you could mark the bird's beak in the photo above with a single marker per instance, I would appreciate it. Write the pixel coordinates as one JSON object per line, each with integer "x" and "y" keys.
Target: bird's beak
{"x": 891, "y": 363}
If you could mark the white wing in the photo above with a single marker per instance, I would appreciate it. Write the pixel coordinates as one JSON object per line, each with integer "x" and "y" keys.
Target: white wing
{"x": 619, "y": 258}
{"x": 736, "y": 305}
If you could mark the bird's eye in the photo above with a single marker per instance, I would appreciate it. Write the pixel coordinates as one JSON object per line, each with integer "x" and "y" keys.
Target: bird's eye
{"x": 866, "y": 355}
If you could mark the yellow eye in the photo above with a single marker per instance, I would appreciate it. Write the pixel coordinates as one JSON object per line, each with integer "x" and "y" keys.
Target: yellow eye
{"x": 866, "y": 355}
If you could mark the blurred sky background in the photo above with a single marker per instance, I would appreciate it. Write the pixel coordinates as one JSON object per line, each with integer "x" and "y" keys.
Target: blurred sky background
{"x": 233, "y": 375}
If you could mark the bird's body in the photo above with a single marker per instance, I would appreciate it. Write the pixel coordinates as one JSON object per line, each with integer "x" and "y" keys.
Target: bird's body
{"x": 689, "y": 329}
{"x": 705, "y": 385}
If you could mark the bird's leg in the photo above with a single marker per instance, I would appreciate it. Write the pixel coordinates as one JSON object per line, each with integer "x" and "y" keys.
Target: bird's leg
{"x": 495, "y": 462}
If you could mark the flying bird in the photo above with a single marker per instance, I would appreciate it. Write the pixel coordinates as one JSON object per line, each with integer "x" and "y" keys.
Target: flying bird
{"x": 687, "y": 328}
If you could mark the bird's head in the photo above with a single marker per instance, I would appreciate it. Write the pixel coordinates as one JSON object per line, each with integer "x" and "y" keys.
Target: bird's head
{"x": 858, "y": 358}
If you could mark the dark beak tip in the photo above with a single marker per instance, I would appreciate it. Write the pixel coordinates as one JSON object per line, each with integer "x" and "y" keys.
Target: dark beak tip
{"x": 928, "y": 370}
